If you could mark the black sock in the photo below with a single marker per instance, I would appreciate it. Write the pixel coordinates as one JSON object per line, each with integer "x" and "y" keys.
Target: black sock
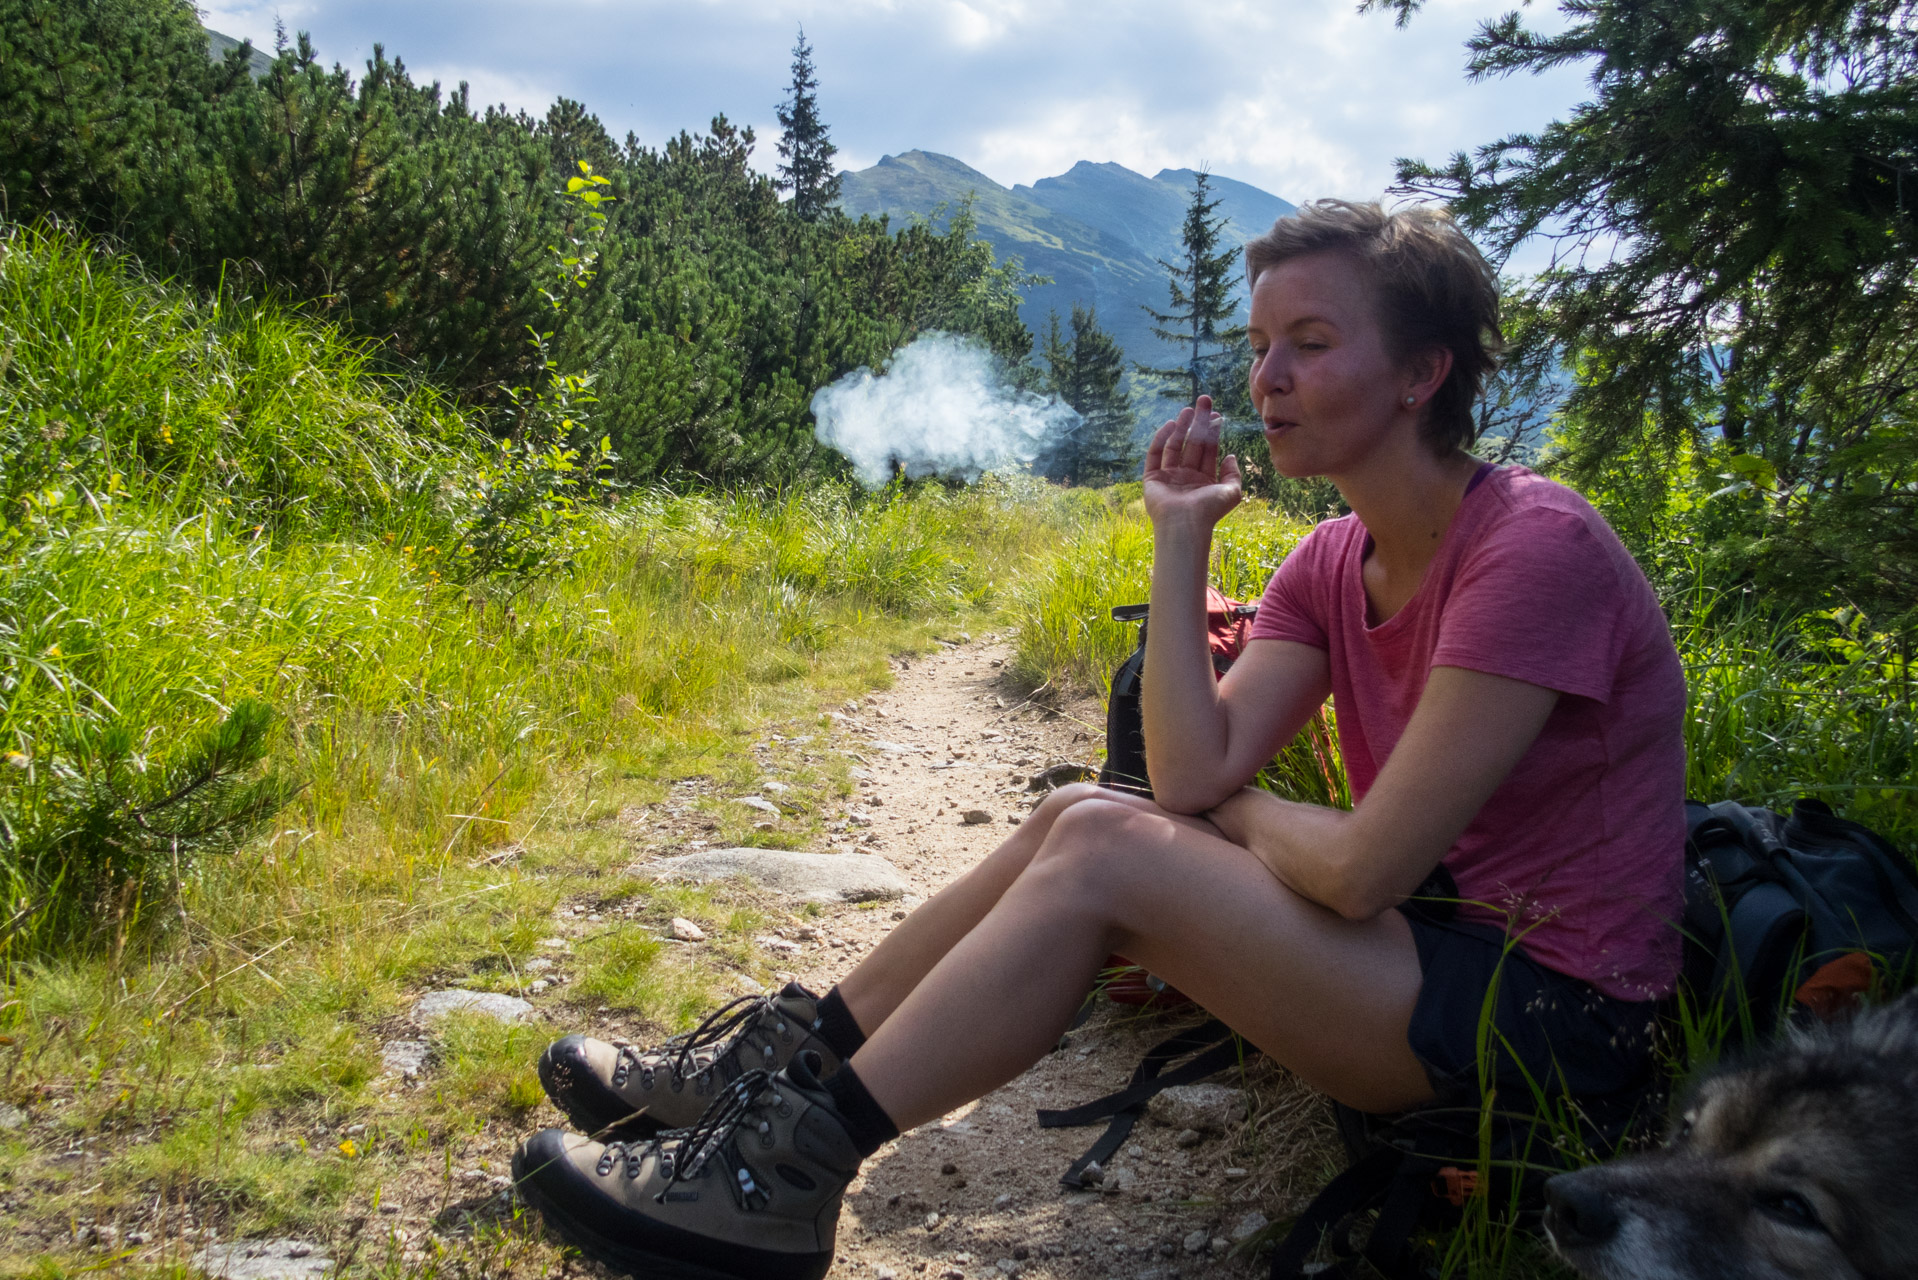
{"x": 867, "y": 1123}
{"x": 833, "y": 1022}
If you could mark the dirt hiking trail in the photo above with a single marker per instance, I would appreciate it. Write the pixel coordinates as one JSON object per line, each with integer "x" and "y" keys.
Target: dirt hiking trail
{"x": 942, "y": 763}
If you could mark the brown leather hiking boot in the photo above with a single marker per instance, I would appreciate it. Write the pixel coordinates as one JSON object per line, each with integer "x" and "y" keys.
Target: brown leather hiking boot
{"x": 750, "y": 1192}
{"x": 616, "y": 1090}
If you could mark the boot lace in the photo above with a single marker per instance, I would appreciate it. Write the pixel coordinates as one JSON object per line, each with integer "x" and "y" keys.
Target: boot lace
{"x": 724, "y": 1027}
{"x": 683, "y": 1153}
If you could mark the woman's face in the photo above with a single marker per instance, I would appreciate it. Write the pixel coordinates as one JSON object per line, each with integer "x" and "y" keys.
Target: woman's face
{"x": 1322, "y": 378}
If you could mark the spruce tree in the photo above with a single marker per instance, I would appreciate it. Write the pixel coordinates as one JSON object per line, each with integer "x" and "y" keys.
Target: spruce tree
{"x": 1202, "y": 302}
{"x": 1086, "y": 371}
{"x": 1733, "y": 221}
{"x": 401, "y": 213}
{"x": 804, "y": 149}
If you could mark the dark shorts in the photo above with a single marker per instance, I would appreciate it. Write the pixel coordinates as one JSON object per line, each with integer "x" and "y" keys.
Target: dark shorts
{"x": 1560, "y": 1032}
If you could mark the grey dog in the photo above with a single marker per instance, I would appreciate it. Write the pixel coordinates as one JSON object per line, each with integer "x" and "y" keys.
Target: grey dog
{"x": 1799, "y": 1162}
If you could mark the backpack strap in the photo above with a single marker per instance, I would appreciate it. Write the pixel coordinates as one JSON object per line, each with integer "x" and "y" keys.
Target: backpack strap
{"x": 1360, "y": 1187}
{"x": 1389, "y": 1247}
{"x": 1391, "y": 1180}
{"x": 1214, "y": 1047}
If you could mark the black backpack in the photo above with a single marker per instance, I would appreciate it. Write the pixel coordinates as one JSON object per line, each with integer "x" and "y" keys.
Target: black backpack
{"x": 1228, "y": 627}
{"x": 1805, "y": 910}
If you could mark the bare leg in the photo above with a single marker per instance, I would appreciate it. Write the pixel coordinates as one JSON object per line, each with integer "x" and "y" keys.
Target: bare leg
{"x": 1327, "y": 997}
{"x": 888, "y": 975}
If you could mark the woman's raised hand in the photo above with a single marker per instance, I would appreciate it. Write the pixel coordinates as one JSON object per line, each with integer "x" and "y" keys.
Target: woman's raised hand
{"x": 1185, "y": 479}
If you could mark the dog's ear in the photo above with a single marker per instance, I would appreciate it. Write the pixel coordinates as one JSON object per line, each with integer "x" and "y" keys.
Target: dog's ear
{"x": 1890, "y": 1028}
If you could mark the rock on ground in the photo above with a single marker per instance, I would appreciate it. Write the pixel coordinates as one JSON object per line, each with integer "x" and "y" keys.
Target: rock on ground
{"x": 1208, "y": 1108}
{"x": 405, "y": 1058}
{"x": 263, "y": 1260}
{"x": 1249, "y": 1225}
{"x": 435, "y": 1005}
{"x": 812, "y": 877}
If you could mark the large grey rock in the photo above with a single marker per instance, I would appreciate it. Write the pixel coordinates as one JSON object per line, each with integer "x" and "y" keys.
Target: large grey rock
{"x": 435, "y": 1005}
{"x": 1209, "y": 1108}
{"x": 813, "y": 877}
{"x": 11, "y": 1117}
{"x": 263, "y": 1260}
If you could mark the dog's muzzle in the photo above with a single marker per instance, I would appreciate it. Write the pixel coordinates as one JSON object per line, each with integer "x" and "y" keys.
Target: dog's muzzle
{"x": 1578, "y": 1212}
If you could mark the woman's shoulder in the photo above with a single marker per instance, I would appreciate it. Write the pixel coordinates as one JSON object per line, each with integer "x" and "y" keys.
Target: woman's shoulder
{"x": 1527, "y": 507}
{"x": 1333, "y": 535}
{"x": 1537, "y": 530}
{"x": 1519, "y": 490}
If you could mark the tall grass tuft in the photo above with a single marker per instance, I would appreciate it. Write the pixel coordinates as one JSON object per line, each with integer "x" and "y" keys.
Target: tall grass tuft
{"x": 1067, "y": 637}
{"x": 116, "y": 388}
{"x": 1815, "y": 705}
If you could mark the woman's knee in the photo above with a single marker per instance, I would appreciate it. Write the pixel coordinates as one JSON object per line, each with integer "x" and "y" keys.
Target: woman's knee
{"x": 1091, "y": 839}
{"x": 1064, "y": 798}
{"x": 1010, "y": 859}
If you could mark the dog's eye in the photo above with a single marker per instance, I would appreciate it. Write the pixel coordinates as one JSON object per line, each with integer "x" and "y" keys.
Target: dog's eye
{"x": 1789, "y": 1208}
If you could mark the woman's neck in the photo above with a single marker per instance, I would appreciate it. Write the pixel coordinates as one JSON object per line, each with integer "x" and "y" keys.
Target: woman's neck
{"x": 1405, "y": 495}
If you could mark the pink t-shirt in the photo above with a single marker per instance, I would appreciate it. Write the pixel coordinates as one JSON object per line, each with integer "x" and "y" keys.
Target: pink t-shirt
{"x": 1580, "y": 850}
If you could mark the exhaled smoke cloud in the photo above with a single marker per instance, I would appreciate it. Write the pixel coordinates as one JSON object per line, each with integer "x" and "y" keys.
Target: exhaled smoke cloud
{"x": 943, "y": 408}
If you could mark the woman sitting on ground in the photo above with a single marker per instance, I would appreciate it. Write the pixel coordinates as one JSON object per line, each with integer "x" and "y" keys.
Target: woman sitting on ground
{"x": 1510, "y": 709}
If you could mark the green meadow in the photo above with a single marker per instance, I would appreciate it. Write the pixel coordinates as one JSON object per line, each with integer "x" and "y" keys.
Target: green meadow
{"x": 273, "y": 762}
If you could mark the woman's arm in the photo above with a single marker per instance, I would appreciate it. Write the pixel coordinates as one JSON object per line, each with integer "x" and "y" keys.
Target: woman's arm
{"x": 1204, "y": 739}
{"x": 1466, "y": 734}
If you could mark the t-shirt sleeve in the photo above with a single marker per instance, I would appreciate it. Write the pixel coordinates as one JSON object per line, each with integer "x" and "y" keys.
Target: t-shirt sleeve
{"x": 1290, "y": 608}
{"x": 1537, "y": 600}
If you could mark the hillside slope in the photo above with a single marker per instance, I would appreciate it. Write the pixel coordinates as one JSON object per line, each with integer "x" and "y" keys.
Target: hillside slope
{"x": 218, "y": 46}
{"x": 1098, "y": 230}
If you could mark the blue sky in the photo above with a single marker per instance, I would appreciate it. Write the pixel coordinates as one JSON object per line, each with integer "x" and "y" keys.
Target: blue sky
{"x": 1305, "y": 98}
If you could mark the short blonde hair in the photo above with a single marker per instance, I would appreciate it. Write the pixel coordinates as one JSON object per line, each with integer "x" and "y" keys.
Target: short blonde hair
{"x": 1434, "y": 289}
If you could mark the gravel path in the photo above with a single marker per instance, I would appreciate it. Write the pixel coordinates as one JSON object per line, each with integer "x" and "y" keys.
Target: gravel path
{"x": 976, "y": 1196}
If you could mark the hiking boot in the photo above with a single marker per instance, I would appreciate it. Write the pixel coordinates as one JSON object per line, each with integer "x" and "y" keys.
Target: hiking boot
{"x": 619, "y": 1091}
{"x": 750, "y": 1192}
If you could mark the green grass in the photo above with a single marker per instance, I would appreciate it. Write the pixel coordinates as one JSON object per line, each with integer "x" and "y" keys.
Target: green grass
{"x": 213, "y": 505}
{"x": 1820, "y": 705}
{"x": 426, "y": 729}
{"x": 118, "y": 389}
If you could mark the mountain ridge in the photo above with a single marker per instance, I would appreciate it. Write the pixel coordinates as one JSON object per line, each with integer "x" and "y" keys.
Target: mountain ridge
{"x": 1099, "y": 230}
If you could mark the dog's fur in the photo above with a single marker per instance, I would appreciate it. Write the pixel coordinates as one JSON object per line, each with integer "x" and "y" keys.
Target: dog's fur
{"x": 1800, "y": 1162}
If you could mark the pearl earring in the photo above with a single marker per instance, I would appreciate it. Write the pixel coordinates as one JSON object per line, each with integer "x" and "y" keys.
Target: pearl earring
{"x": 1411, "y": 400}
